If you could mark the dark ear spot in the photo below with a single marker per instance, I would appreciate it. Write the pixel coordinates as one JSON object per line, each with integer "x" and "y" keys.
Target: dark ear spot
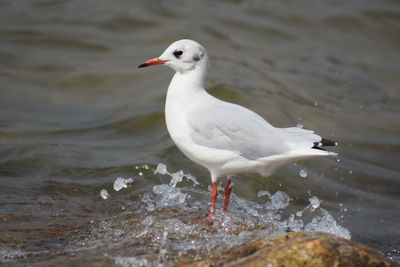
{"x": 196, "y": 57}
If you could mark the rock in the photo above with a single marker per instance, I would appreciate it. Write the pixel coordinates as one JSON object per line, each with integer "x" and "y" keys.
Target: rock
{"x": 298, "y": 249}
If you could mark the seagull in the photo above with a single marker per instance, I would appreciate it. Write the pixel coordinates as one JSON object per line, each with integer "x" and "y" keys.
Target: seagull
{"x": 223, "y": 137}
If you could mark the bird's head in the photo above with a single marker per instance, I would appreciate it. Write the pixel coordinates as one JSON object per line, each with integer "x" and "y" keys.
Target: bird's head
{"x": 182, "y": 56}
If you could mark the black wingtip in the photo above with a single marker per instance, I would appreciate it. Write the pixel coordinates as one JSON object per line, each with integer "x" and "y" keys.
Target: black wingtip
{"x": 324, "y": 142}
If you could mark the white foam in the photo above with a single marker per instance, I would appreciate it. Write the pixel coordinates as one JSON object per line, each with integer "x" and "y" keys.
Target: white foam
{"x": 294, "y": 224}
{"x": 9, "y": 254}
{"x": 131, "y": 261}
{"x": 326, "y": 223}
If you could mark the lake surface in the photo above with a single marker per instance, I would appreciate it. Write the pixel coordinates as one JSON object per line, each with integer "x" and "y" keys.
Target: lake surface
{"x": 76, "y": 113}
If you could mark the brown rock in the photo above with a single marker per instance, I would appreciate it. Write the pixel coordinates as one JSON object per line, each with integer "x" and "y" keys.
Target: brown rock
{"x": 299, "y": 249}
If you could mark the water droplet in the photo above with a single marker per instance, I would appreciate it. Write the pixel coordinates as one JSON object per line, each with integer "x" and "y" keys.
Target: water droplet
{"x": 176, "y": 178}
{"x": 314, "y": 201}
{"x": 338, "y": 160}
{"x": 104, "y": 194}
{"x": 149, "y": 220}
{"x": 279, "y": 200}
{"x": 120, "y": 183}
{"x": 151, "y": 207}
{"x": 161, "y": 169}
{"x": 303, "y": 173}
{"x": 45, "y": 201}
{"x": 351, "y": 171}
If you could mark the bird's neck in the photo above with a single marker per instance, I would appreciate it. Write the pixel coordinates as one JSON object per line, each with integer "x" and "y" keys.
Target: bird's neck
{"x": 186, "y": 85}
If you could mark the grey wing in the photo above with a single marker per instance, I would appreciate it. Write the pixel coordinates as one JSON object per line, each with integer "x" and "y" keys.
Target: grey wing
{"x": 235, "y": 128}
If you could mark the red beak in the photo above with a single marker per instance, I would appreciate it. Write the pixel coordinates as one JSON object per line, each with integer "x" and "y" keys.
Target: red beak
{"x": 151, "y": 62}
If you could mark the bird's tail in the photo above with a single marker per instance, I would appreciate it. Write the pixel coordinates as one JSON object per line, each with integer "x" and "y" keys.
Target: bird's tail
{"x": 298, "y": 138}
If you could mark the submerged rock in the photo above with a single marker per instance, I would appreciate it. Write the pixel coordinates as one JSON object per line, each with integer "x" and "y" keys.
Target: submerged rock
{"x": 297, "y": 249}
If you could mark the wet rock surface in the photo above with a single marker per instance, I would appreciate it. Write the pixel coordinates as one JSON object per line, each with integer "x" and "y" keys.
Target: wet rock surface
{"x": 298, "y": 249}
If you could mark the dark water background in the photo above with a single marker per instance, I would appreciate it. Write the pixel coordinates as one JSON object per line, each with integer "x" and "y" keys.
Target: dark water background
{"x": 75, "y": 112}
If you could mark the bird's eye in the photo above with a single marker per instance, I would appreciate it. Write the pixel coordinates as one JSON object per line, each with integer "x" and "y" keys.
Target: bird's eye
{"x": 178, "y": 53}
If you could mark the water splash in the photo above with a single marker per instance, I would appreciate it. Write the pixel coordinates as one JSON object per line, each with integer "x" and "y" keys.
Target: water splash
{"x": 314, "y": 202}
{"x": 176, "y": 177}
{"x": 279, "y": 201}
{"x": 326, "y": 223}
{"x": 161, "y": 169}
{"x": 120, "y": 183}
{"x": 172, "y": 219}
{"x": 168, "y": 196}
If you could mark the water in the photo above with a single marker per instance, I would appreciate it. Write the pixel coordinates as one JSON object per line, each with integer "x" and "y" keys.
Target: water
{"x": 76, "y": 114}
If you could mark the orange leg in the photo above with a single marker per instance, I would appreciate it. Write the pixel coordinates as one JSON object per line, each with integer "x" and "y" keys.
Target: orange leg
{"x": 213, "y": 200}
{"x": 228, "y": 190}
